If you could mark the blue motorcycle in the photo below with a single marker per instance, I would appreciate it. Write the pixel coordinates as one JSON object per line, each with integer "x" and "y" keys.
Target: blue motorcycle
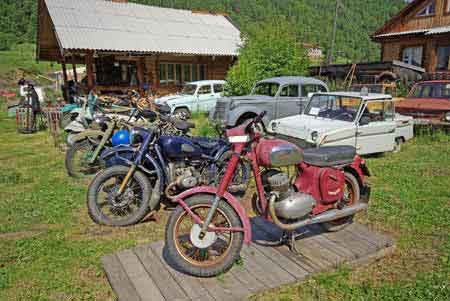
{"x": 154, "y": 167}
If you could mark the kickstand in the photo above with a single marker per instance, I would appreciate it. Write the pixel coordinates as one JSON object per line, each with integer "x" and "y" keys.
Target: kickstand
{"x": 288, "y": 238}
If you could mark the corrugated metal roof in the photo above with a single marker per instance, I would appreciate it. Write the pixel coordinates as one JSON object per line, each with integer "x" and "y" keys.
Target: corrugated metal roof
{"x": 438, "y": 30}
{"x": 392, "y": 34}
{"x": 429, "y": 31}
{"x": 110, "y": 26}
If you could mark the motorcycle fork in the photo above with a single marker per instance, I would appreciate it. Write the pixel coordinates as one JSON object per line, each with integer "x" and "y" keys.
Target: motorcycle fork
{"x": 229, "y": 173}
{"x": 127, "y": 179}
{"x": 102, "y": 143}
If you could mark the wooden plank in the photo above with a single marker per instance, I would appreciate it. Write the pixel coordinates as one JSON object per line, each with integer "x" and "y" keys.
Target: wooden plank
{"x": 256, "y": 269}
{"x": 273, "y": 233}
{"x": 143, "y": 283}
{"x": 320, "y": 249}
{"x": 118, "y": 279}
{"x": 247, "y": 279}
{"x": 225, "y": 287}
{"x": 191, "y": 285}
{"x": 374, "y": 237}
{"x": 346, "y": 238}
{"x": 277, "y": 274}
{"x": 158, "y": 271}
{"x": 284, "y": 262}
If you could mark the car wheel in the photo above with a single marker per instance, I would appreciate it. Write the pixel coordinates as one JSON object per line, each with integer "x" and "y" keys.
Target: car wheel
{"x": 398, "y": 145}
{"x": 183, "y": 111}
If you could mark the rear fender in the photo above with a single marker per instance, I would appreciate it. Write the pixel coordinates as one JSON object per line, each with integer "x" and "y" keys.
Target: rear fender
{"x": 87, "y": 134}
{"x": 238, "y": 208}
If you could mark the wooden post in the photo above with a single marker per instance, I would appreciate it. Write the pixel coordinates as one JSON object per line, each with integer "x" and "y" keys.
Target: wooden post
{"x": 74, "y": 68}
{"x": 156, "y": 76}
{"x": 66, "y": 86}
{"x": 140, "y": 74}
{"x": 89, "y": 71}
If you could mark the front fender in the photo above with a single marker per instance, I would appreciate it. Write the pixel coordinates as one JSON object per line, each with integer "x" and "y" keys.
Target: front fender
{"x": 240, "y": 210}
{"x": 109, "y": 152}
{"x": 88, "y": 133}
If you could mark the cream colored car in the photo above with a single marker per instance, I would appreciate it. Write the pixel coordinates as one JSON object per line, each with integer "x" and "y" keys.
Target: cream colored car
{"x": 366, "y": 121}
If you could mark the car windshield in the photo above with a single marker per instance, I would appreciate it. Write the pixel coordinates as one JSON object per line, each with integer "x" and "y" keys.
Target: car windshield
{"x": 431, "y": 90}
{"x": 267, "y": 89}
{"x": 334, "y": 107}
{"x": 189, "y": 89}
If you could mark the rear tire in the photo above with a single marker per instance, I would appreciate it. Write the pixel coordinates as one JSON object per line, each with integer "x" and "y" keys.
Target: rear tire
{"x": 97, "y": 184}
{"x": 75, "y": 149}
{"x": 352, "y": 185}
{"x": 203, "y": 270}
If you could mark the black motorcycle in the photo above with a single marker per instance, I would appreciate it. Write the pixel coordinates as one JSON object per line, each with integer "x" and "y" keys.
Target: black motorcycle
{"x": 157, "y": 167}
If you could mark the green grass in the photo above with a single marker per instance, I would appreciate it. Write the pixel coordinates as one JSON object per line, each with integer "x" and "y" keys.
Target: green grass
{"x": 51, "y": 250}
{"x": 22, "y": 56}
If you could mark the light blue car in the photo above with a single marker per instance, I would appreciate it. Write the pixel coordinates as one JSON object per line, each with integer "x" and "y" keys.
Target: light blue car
{"x": 199, "y": 96}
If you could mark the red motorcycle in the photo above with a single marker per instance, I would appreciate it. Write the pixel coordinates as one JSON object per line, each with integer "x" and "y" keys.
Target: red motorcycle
{"x": 205, "y": 233}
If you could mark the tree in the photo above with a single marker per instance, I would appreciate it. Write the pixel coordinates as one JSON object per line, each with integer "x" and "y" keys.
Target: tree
{"x": 270, "y": 49}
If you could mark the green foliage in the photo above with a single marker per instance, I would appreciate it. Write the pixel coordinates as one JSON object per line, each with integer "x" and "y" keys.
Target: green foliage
{"x": 271, "y": 49}
{"x": 311, "y": 19}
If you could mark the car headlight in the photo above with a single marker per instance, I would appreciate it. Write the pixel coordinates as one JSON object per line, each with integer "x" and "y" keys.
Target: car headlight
{"x": 314, "y": 136}
{"x": 232, "y": 105}
{"x": 447, "y": 117}
{"x": 274, "y": 126}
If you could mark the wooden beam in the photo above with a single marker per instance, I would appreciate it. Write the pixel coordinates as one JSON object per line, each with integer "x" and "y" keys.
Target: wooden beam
{"x": 74, "y": 69}
{"x": 66, "y": 86}
{"x": 90, "y": 70}
{"x": 140, "y": 74}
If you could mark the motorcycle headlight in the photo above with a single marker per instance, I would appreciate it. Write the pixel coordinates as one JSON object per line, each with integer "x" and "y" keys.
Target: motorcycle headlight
{"x": 447, "y": 117}
{"x": 135, "y": 136}
{"x": 314, "y": 136}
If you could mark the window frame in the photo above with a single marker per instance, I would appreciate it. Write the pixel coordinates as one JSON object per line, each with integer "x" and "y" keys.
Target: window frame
{"x": 288, "y": 87}
{"x": 402, "y": 51}
{"x": 426, "y": 8}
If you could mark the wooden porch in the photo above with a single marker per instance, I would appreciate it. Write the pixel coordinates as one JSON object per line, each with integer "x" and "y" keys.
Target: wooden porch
{"x": 146, "y": 273}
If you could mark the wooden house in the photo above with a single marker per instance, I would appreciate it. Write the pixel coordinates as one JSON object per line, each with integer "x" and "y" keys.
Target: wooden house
{"x": 418, "y": 35}
{"x": 130, "y": 46}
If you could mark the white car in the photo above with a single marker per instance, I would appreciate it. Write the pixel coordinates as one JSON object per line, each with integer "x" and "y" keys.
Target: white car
{"x": 200, "y": 96}
{"x": 366, "y": 121}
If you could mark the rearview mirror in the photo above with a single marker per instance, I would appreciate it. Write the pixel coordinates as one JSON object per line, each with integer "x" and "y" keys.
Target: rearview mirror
{"x": 365, "y": 120}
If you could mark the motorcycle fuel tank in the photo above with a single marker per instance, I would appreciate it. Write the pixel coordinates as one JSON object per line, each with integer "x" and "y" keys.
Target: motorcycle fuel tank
{"x": 179, "y": 147}
{"x": 278, "y": 153}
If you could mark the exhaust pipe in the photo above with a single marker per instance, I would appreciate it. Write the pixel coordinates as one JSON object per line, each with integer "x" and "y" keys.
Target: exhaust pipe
{"x": 327, "y": 216}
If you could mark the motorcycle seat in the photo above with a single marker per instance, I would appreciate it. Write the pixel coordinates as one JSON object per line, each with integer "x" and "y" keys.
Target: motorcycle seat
{"x": 183, "y": 125}
{"x": 328, "y": 156}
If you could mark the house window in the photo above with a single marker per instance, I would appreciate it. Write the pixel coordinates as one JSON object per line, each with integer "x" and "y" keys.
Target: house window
{"x": 443, "y": 53}
{"x": 428, "y": 10}
{"x": 413, "y": 56}
{"x": 179, "y": 74}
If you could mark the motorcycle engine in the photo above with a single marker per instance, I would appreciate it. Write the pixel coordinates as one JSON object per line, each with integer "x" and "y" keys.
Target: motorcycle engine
{"x": 289, "y": 205}
{"x": 185, "y": 177}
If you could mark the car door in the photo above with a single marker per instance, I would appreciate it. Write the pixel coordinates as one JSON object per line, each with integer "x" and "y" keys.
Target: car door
{"x": 205, "y": 97}
{"x": 288, "y": 101}
{"x": 376, "y": 127}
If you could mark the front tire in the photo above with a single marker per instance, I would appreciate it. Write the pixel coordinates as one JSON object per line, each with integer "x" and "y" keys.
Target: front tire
{"x": 214, "y": 259}
{"x": 106, "y": 208}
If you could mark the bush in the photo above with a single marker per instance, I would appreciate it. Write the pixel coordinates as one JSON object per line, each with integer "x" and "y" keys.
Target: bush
{"x": 270, "y": 49}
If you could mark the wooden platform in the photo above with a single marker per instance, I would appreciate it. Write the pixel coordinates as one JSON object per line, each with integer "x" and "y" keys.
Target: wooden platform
{"x": 145, "y": 273}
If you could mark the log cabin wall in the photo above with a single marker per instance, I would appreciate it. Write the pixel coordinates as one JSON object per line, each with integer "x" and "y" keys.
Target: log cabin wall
{"x": 392, "y": 47}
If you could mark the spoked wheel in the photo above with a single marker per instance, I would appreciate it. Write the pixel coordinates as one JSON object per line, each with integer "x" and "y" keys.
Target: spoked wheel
{"x": 107, "y": 207}
{"x": 352, "y": 197}
{"x": 241, "y": 176}
{"x": 211, "y": 255}
{"x": 78, "y": 158}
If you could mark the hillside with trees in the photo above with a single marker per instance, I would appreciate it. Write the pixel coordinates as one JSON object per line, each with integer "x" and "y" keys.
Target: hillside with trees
{"x": 312, "y": 20}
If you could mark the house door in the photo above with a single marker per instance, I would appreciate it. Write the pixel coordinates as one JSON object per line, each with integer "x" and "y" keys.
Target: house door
{"x": 378, "y": 135}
